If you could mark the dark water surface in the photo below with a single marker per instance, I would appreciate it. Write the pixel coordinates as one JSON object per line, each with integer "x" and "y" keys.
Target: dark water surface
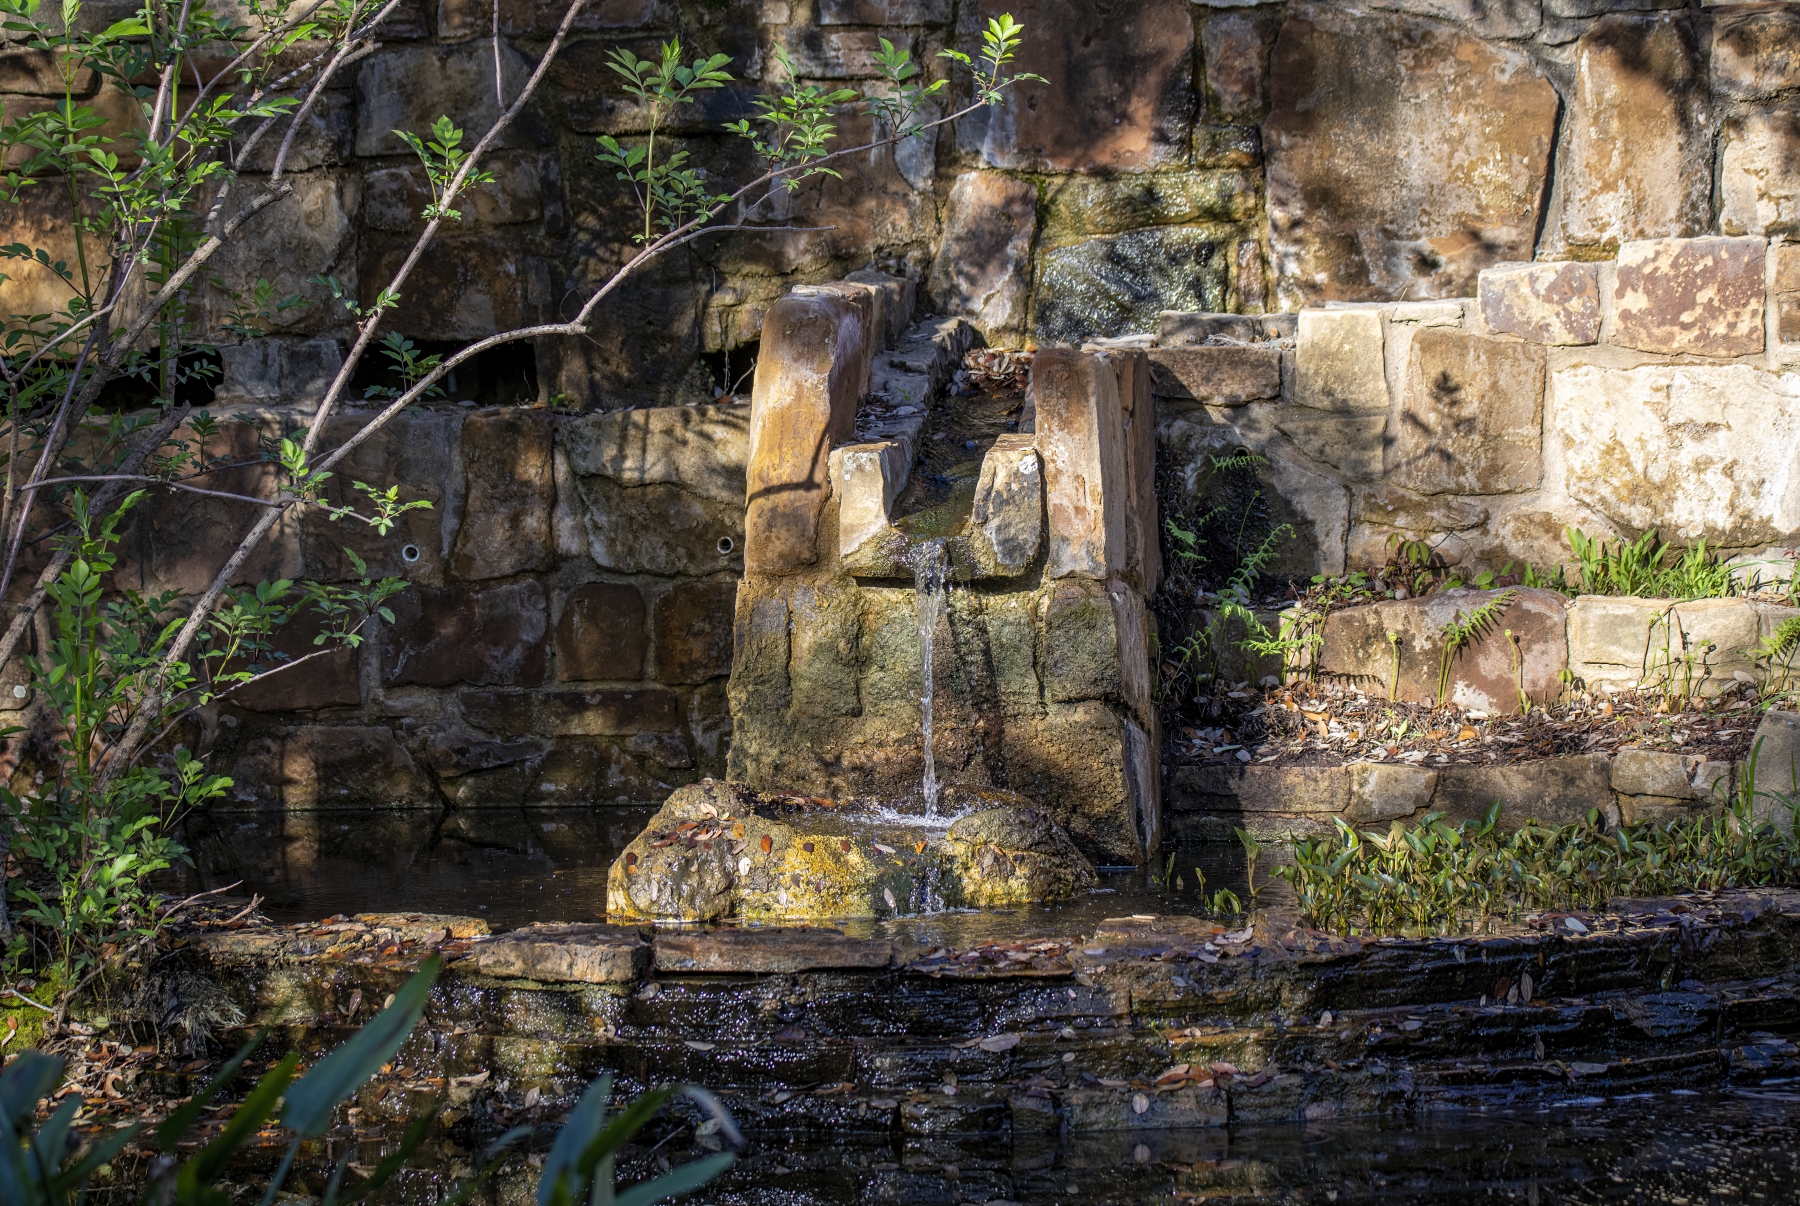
{"x": 1665, "y": 1149}
{"x": 512, "y": 867}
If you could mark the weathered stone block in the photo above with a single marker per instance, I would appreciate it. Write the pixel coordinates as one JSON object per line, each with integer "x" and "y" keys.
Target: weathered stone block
{"x": 464, "y": 287}
{"x": 1338, "y": 362}
{"x": 1074, "y": 760}
{"x": 1482, "y": 672}
{"x": 1617, "y": 643}
{"x": 771, "y": 952}
{"x": 1559, "y": 791}
{"x": 1117, "y": 95}
{"x": 1227, "y": 788}
{"x": 1703, "y": 296}
{"x": 1385, "y": 792}
{"x": 865, "y": 480}
{"x": 600, "y": 634}
{"x": 1638, "y": 158}
{"x": 1753, "y": 52}
{"x": 1077, "y": 206}
{"x": 1691, "y": 451}
{"x": 1394, "y": 508}
{"x": 460, "y": 20}
{"x": 1653, "y": 773}
{"x": 1119, "y": 284}
{"x": 657, "y": 529}
{"x": 812, "y": 370}
{"x": 1191, "y": 328}
{"x": 702, "y": 449}
{"x": 416, "y": 451}
{"x": 1472, "y": 417}
{"x": 1094, "y": 645}
{"x": 759, "y": 665}
{"x": 579, "y": 954}
{"x": 1221, "y": 376}
{"x": 1349, "y": 444}
{"x": 1759, "y": 173}
{"x": 310, "y": 232}
{"x": 493, "y": 636}
{"x": 506, "y": 520}
{"x": 897, "y": 301}
{"x": 1488, "y": 18}
{"x": 1546, "y": 303}
{"x": 1006, "y": 526}
{"x": 883, "y": 12}
{"x": 1079, "y": 436}
{"x": 693, "y": 631}
{"x": 327, "y": 766}
{"x": 597, "y": 713}
{"x": 329, "y": 677}
{"x": 409, "y": 87}
{"x": 1404, "y": 155}
{"x": 1235, "y": 47}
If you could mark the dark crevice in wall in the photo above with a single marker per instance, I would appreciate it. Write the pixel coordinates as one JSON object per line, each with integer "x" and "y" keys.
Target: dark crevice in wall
{"x": 506, "y": 375}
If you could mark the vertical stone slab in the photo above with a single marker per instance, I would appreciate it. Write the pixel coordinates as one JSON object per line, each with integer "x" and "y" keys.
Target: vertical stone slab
{"x": 506, "y": 456}
{"x": 1759, "y": 173}
{"x": 1080, "y": 435}
{"x": 983, "y": 265}
{"x": 1638, "y": 158}
{"x": 1143, "y": 549}
{"x": 811, "y": 372}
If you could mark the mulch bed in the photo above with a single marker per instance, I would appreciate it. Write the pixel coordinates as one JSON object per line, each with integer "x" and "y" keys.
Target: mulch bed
{"x": 1328, "y": 724}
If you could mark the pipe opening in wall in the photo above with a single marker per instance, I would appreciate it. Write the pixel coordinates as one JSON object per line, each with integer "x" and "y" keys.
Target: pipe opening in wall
{"x": 731, "y": 371}
{"x": 506, "y": 375}
{"x": 409, "y": 553}
{"x": 726, "y": 546}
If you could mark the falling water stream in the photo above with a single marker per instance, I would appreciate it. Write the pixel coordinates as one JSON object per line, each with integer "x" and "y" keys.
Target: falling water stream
{"x": 931, "y": 573}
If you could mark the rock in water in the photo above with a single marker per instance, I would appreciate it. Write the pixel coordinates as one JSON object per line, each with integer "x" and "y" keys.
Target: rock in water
{"x": 1015, "y": 854}
{"x": 718, "y": 850}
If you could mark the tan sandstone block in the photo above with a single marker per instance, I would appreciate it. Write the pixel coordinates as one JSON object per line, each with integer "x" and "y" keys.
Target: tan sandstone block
{"x": 1638, "y": 163}
{"x": 1007, "y": 523}
{"x": 1546, "y": 303}
{"x": 1338, "y": 362}
{"x": 866, "y": 478}
{"x": 1080, "y": 435}
{"x": 812, "y": 370}
{"x": 1759, "y": 173}
{"x": 1472, "y": 418}
{"x": 1702, "y": 296}
{"x": 983, "y": 266}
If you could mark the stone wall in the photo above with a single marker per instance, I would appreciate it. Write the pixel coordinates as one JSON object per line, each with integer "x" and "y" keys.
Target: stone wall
{"x": 565, "y": 637}
{"x": 1220, "y": 155}
{"x": 1657, "y": 389}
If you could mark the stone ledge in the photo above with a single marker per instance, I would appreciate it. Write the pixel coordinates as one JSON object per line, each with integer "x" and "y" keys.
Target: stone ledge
{"x": 579, "y": 954}
{"x": 767, "y": 952}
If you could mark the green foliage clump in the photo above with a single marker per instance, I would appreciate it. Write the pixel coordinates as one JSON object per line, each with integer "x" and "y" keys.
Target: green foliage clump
{"x": 1444, "y": 877}
{"x": 1649, "y": 568}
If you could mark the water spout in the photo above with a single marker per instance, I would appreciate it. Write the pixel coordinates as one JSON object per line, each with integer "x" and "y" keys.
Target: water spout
{"x": 931, "y": 574}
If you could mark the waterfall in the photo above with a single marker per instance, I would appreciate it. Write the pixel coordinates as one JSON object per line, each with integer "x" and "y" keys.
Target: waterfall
{"x": 931, "y": 574}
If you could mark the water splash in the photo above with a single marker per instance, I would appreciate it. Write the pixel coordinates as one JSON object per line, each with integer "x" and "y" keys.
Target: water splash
{"x": 931, "y": 575}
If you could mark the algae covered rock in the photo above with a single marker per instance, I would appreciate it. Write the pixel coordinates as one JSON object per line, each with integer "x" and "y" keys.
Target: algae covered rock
{"x": 1014, "y": 854}
{"x": 719, "y": 850}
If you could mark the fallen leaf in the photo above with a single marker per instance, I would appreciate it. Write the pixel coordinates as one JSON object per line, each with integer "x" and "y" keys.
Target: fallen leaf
{"x": 999, "y": 1042}
{"x": 1139, "y": 1103}
{"x": 697, "y": 1045}
{"x": 880, "y": 849}
{"x": 887, "y": 894}
{"x": 768, "y": 843}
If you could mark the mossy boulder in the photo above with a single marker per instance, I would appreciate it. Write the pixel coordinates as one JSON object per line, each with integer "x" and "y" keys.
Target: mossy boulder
{"x": 1013, "y": 854}
{"x": 718, "y": 850}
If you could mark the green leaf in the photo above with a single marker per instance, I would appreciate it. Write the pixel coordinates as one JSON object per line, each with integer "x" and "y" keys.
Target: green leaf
{"x": 333, "y": 1079}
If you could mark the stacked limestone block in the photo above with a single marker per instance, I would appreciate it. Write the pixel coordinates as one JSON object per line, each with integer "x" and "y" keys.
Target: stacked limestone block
{"x": 1040, "y": 662}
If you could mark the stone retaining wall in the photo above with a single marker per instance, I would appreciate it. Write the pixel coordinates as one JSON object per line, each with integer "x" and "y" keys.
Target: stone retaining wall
{"x": 1654, "y": 390}
{"x": 1209, "y": 803}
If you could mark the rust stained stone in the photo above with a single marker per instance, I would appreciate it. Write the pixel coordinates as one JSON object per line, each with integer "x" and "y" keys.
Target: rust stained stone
{"x": 1225, "y": 376}
{"x": 1471, "y": 420}
{"x": 506, "y": 454}
{"x": 1545, "y": 303}
{"x": 491, "y": 637}
{"x": 1698, "y": 296}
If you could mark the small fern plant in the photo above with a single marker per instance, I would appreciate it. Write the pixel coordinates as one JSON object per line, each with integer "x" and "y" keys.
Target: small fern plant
{"x": 1462, "y": 631}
